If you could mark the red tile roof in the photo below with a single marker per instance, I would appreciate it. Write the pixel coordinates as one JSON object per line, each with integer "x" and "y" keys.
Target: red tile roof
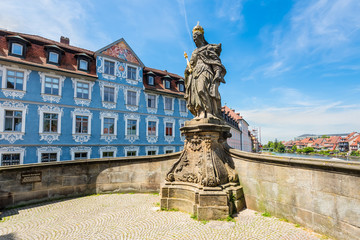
{"x": 36, "y": 54}
{"x": 158, "y": 81}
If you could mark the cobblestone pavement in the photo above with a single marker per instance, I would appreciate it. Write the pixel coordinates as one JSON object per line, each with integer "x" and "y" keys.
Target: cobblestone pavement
{"x": 134, "y": 216}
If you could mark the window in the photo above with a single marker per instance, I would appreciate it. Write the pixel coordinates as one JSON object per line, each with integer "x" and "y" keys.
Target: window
{"x": 48, "y": 157}
{"x": 109, "y": 67}
{"x": 130, "y": 153}
{"x": 81, "y": 124}
{"x": 50, "y": 124}
{"x": 151, "y": 80}
{"x": 13, "y": 121}
{"x": 14, "y": 80}
{"x": 131, "y": 73}
{"x": 167, "y": 84}
{"x": 82, "y": 90}
{"x": 51, "y": 85}
{"x": 168, "y": 151}
{"x": 109, "y": 94}
{"x": 151, "y": 152}
{"x": 80, "y": 155}
{"x": 17, "y": 49}
{"x": 107, "y": 154}
{"x": 152, "y": 128}
{"x": 83, "y": 65}
{"x": 131, "y": 127}
{"x": 169, "y": 129}
{"x": 168, "y": 103}
{"x": 181, "y": 87}
{"x": 151, "y": 101}
{"x": 182, "y": 106}
{"x": 109, "y": 126}
{"x": 10, "y": 159}
{"x": 131, "y": 98}
{"x": 53, "y": 57}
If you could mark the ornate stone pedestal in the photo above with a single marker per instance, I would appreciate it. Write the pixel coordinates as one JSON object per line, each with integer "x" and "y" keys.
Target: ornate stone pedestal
{"x": 203, "y": 181}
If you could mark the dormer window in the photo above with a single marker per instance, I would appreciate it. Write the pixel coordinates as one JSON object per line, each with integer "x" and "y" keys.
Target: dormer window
{"x": 83, "y": 65}
{"x": 151, "y": 80}
{"x": 17, "y": 49}
{"x": 167, "y": 81}
{"x": 83, "y": 61}
{"x": 53, "y": 57}
{"x": 53, "y": 54}
{"x": 181, "y": 87}
{"x": 17, "y": 45}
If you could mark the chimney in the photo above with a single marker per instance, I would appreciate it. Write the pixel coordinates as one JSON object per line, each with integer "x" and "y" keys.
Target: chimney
{"x": 65, "y": 40}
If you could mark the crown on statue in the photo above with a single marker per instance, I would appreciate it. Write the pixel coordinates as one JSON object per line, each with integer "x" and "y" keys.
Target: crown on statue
{"x": 198, "y": 28}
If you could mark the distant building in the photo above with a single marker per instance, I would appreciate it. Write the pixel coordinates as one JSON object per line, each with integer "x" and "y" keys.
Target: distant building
{"x": 60, "y": 102}
{"x": 241, "y": 137}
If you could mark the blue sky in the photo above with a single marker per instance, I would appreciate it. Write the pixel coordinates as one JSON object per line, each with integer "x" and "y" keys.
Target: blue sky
{"x": 293, "y": 66}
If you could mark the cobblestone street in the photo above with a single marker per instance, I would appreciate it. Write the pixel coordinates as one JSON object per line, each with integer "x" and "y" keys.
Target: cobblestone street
{"x": 135, "y": 216}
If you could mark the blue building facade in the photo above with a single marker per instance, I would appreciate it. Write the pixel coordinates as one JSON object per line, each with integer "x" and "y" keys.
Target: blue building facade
{"x": 59, "y": 102}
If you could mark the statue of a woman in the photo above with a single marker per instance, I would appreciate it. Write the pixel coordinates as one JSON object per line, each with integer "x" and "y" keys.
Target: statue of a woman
{"x": 203, "y": 76}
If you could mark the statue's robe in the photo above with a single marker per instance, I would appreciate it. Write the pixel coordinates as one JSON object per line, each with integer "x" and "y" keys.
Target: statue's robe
{"x": 202, "y": 92}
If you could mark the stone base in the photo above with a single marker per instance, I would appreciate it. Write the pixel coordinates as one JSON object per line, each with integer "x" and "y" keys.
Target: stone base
{"x": 207, "y": 203}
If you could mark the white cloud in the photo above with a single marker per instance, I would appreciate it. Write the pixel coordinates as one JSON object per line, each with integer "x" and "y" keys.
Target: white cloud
{"x": 321, "y": 31}
{"x": 231, "y": 10}
{"x": 48, "y": 18}
{"x": 285, "y": 123}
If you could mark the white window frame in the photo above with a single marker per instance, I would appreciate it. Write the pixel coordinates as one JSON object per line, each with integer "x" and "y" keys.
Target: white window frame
{"x": 182, "y": 121}
{"x": 12, "y": 150}
{"x": 13, "y": 93}
{"x": 183, "y": 113}
{"x": 167, "y": 148}
{"x": 152, "y": 139}
{"x": 105, "y": 104}
{"x": 107, "y": 149}
{"x": 167, "y": 111}
{"x": 9, "y": 136}
{"x": 113, "y": 61}
{"x": 153, "y": 79}
{"x": 41, "y": 150}
{"x": 58, "y": 57}
{"x": 52, "y": 136}
{"x": 152, "y": 148}
{"x": 132, "y": 138}
{"x": 108, "y": 137}
{"x": 137, "y": 76}
{"x": 87, "y": 65}
{"x": 22, "y": 49}
{"x": 82, "y": 101}
{"x": 138, "y": 92}
{"x": 81, "y": 137}
{"x": 80, "y": 149}
{"x": 131, "y": 149}
{"x": 149, "y": 109}
{"x": 171, "y": 138}
{"x": 50, "y": 97}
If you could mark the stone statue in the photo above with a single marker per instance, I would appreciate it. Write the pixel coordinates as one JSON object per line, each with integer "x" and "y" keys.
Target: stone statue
{"x": 203, "y": 181}
{"x": 203, "y": 75}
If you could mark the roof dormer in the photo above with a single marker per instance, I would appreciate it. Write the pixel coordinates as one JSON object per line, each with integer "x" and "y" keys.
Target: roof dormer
{"x": 17, "y": 46}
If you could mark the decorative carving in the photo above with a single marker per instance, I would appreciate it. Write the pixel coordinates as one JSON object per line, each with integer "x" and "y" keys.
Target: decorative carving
{"x": 108, "y": 138}
{"x": 12, "y": 137}
{"x": 204, "y": 159}
{"x": 51, "y": 98}
{"x": 81, "y": 138}
{"x": 13, "y": 93}
{"x": 131, "y": 148}
{"x": 49, "y": 137}
{"x": 82, "y": 102}
{"x": 152, "y": 139}
{"x": 108, "y": 149}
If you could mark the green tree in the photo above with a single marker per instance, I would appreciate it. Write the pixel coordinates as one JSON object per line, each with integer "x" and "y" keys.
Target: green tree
{"x": 308, "y": 149}
{"x": 281, "y": 147}
{"x": 294, "y": 148}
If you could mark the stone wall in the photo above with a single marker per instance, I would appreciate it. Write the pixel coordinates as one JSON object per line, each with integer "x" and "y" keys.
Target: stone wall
{"x": 82, "y": 177}
{"x": 320, "y": 195}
